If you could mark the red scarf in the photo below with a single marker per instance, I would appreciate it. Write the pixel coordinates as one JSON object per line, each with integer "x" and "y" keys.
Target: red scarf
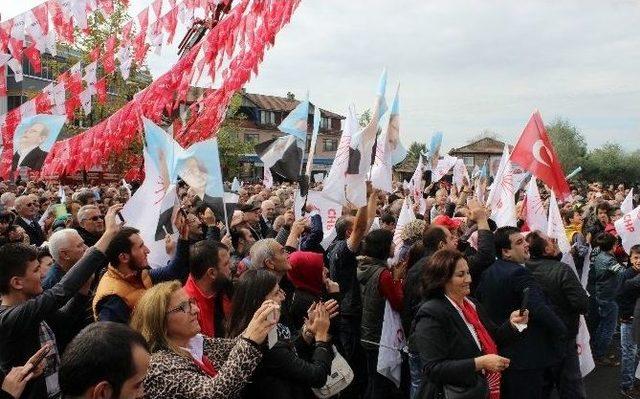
{"x": 206, "y": 366}
{"x": 486, "y": 343}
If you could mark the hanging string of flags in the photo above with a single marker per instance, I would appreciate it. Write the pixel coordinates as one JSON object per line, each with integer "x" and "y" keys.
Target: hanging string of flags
{"x": 66, "y": 94}
{"x": 231, "y": 50}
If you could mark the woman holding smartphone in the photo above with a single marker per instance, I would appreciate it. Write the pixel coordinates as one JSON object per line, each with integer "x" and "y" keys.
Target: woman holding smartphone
{"x": 296, "y": 362}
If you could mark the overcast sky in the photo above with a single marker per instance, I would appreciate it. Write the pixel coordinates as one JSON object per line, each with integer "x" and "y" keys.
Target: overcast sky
{"x": 463, "y": 66}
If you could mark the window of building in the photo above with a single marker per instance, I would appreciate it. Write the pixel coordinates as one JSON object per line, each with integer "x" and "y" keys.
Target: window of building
{"x": 325, "y": 123}
{"x": 14, "y": 101}
{"x": 251, "y": 138}
{"x": 330, "y": 144}
{"x": 469, "y": 162}
{"x": 267, "y": 118}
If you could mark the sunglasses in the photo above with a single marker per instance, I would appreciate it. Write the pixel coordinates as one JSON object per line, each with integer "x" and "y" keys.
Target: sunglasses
{"x": 94, "y": 219}
{"x": 185, "y": 306}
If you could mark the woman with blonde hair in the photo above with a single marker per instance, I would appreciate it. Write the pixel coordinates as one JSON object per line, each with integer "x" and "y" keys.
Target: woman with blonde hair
{"x": 187, "y": 365}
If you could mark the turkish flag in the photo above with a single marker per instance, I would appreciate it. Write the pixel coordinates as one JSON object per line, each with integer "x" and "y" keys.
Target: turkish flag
{"x": 535, "y": 153}
{"x": 34, "y": 57}
{"x": 101, "y": 90}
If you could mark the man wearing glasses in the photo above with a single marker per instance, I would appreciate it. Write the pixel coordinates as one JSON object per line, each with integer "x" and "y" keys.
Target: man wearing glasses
{"x": 91, "y": 224}
{"x": 27, "y": 209}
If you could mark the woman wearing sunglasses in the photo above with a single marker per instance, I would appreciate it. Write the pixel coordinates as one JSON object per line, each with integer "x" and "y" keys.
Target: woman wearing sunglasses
{"x": 184, "y": 364}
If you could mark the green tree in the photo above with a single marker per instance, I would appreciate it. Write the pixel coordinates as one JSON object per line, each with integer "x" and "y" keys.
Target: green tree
{"x": 230, "y": 146}
{"x": 606, "y": 164}
{"x": 569, "y": 144}
{"x": 415, "y": 150}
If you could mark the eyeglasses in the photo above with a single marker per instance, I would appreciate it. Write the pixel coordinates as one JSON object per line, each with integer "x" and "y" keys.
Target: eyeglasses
{"x": 94, "y": 219}
{"x": 185, "y": 307}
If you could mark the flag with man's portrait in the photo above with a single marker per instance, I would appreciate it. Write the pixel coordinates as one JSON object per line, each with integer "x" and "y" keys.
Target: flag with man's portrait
{"x": 33, "y": 139}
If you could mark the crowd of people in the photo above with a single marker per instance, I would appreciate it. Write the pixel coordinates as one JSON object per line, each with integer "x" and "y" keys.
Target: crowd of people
{"x": 260, "y": 309}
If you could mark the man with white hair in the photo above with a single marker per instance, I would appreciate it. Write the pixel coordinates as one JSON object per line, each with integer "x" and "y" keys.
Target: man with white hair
{"x": 269, "y": 254}
{"x": 66, "y": 247}
{"x": 91, "y": 224}
{"x": 267, "y": 215}
{"x": 27, "y": 209}
{"x": 7, "y": 201}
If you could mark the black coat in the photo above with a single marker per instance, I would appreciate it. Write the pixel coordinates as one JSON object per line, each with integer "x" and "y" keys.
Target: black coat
{"x": 543, "y": 343}
{"x": 561, "y": 286}
{"x": 447, "y": 348}
{"x": 289, "y": 370}
{"x": 34, "y": 159}
{"x": 33, "y": 230}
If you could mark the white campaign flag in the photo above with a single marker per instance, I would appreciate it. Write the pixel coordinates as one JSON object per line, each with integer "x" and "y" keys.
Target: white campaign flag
{"x": 329, "y": 210}
{"x": 460, "y": 173}
{"x": 584, "y": 349}
{"x": 502, "y": 195}
{"x": 415, "y": 184}
{"x": 389, "y": 150}
{"x": 268, "y": 177}
{"x": 536, "y": 215}
{"x": 555, "y": 229}
{"x": 628, "y": 229}
{"x": 442, "y": 167}
{"x": 392, "y": 341}
{"x": 144, "y": 208}
{"x": 336, "y": 186}
{"x": 627, "y": 204}
{"x": 406, "y": 216}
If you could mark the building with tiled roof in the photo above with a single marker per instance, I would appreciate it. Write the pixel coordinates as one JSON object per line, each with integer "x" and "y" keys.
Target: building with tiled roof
{"x": 260, "y": 116}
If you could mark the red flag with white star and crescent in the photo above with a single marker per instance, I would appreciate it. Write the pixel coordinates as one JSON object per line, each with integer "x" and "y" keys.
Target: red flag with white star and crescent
{"x": 535, "y": 153}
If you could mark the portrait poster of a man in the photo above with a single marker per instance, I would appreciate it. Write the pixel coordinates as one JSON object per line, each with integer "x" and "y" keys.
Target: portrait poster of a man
{"x": 33, "y": 140}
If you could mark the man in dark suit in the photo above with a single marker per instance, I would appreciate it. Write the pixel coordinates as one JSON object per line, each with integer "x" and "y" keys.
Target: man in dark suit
{"x": 268, "y": 209}
{"x": 28, "y": 152}
{"x": 542, "y": 344}
{"x": 26, "y": 208}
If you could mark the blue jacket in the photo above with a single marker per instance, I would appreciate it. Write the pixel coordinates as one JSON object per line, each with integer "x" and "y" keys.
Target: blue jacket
{"x": 500, "y": 292}
{"x": 606, "y": 276}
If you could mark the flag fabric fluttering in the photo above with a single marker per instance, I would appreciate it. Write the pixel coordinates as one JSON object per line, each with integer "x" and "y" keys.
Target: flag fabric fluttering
{"x": 627, "y": 204}
{"x": 556, "y": 230}
{"x": 283, "y": 155}
{"x": 460, "y": 174}
{"x": 295, "y": 124}
{"x": 502, "y": 194}
{"x": 392, "y": 341}
{"x": 267, "y": 179}
{"x": 314, "y": 139}
{"x": 628, "y": 228}
{"x": 434, "y": 150}
{"x": 415, "y": 184}
{"x": 534, "y": 152}
{"x": 335, "y": 186}
{"x": 389, "y": 151}
{"x": 363, "y": 141}
{"x": 406, "y": 216}
{"x": 139, "y": 214}
{"x": 536, "y": 215}
{"x": 443, "y": 166}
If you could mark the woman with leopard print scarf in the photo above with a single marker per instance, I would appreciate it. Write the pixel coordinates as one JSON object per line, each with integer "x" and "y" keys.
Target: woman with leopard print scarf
{"x": 187, "y": 365}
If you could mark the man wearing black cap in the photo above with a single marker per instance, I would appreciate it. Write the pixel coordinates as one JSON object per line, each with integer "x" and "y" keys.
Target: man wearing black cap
{"x": 251, "y": 218}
